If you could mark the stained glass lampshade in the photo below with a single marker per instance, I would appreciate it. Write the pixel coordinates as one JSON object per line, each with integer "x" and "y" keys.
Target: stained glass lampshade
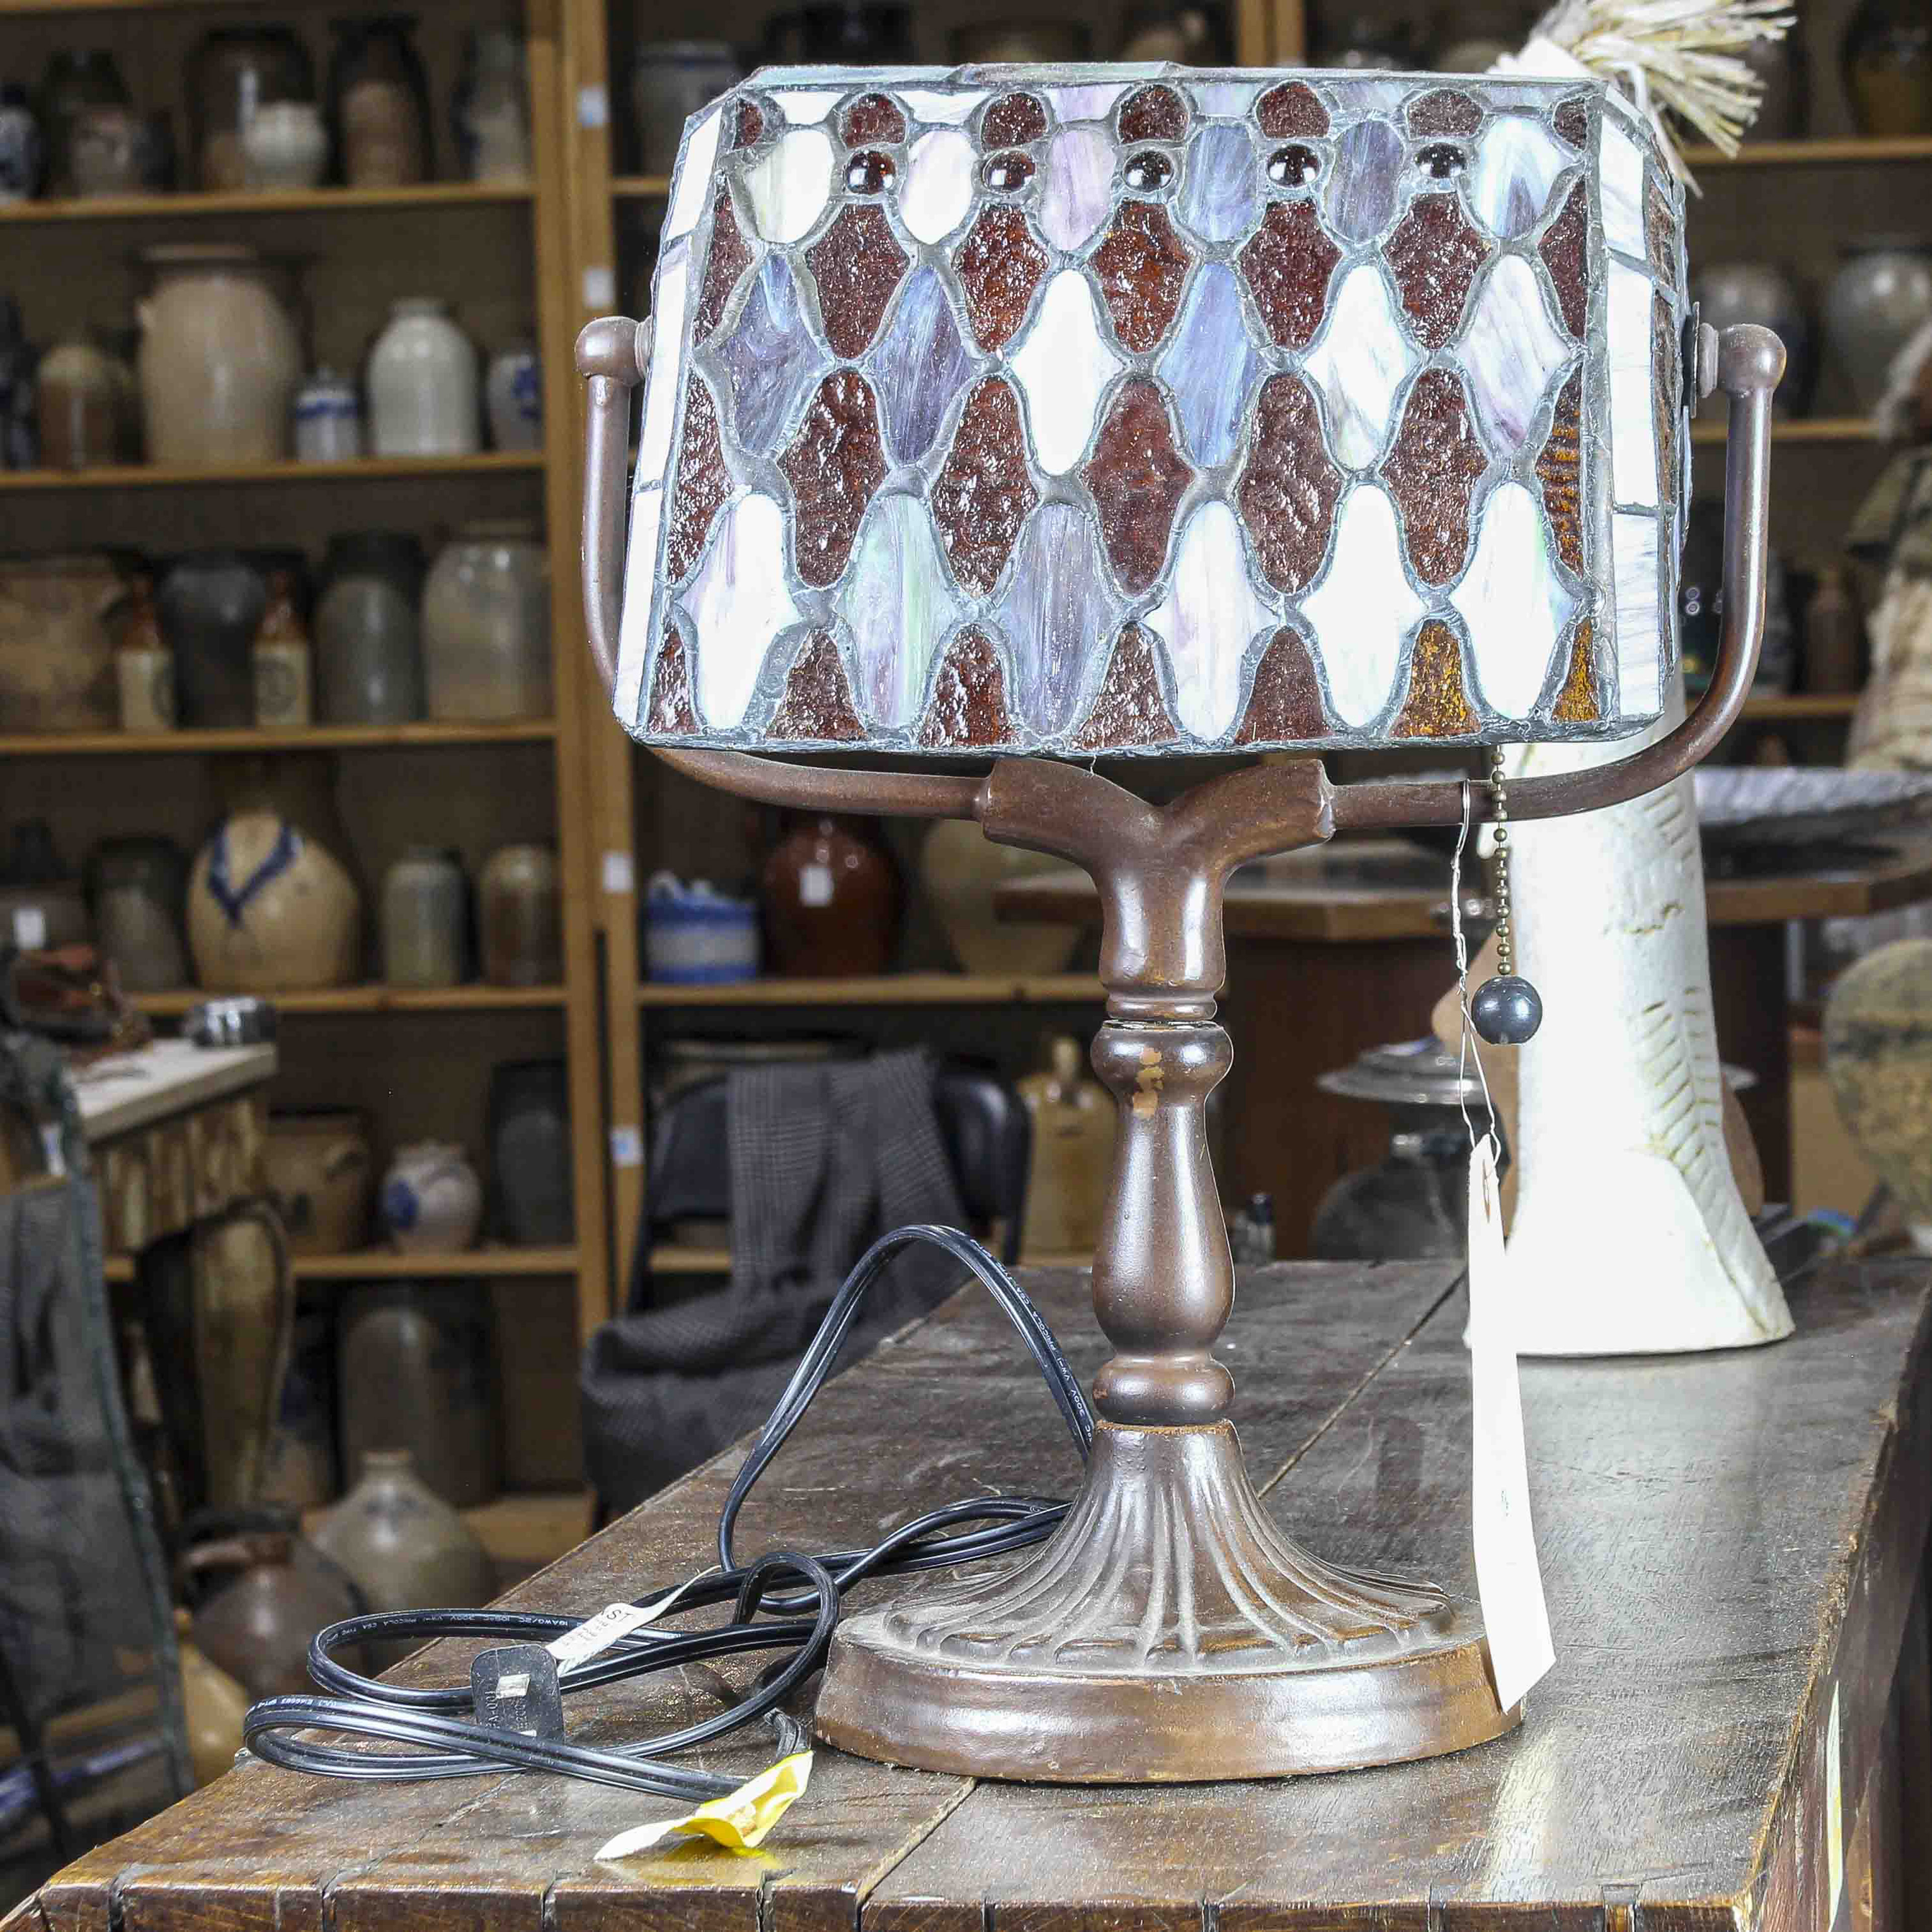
{"x": 1039, "y": 414}
{"x": 1092, "y": 411}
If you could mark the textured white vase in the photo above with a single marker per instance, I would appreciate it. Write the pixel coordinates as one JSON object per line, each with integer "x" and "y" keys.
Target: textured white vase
{"x": 1630, "y": 1237}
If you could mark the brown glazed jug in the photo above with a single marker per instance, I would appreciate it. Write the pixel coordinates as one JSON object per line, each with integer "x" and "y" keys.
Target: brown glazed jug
{"x": 833, "y": 899}
{"x": 257, "y": 1627}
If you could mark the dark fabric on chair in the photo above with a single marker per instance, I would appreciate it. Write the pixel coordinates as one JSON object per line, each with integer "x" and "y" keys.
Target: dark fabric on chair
{"x": 823, "y": 1160}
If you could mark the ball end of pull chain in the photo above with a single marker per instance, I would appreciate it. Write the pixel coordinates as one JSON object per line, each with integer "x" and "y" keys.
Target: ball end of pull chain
{"x": 1507, "y": 1010}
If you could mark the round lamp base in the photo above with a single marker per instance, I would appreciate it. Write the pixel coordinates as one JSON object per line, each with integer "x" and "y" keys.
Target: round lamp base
{"x": 1166, "y": 1632}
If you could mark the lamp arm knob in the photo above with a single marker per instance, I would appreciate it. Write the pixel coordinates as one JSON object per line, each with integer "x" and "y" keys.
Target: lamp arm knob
{"x": 1747, "y": 365}
{"x": 613, "y": 355}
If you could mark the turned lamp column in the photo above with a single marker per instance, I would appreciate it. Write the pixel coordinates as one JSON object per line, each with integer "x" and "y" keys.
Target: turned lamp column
{"x": 1163, "y": 1277}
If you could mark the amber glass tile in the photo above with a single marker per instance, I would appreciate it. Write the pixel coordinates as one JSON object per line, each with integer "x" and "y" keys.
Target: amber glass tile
{"x": 857, "y": 264}
{"x": 1433, "y": 471}
{"x": 1434, "y": 254}
{"x": 1446, "y": 111}
{"x": 872, "y": 119}
{"x": 1666, "y": 391}
{"x": 1000, "y": 265}
{"x": 1436, "y": 705}
{"x": 1153, "y": 114}
{"x": 816, "y": 701}
{"x": 1660, "y": 233}
{"x": 1138, "y": 477}
{"x": 1131, "y": 708}
{"x": 1577, "y": 703}
{"x": 729, "y": 258}
{"x": 983, "y": 494}
{"x": 703, "y": 482}
{"x": 1141, "y": 266}
{"x": 1564, "y": 249}
{"x": 1013, "y": 120}
{"x": 671, "y": 712}
{"x": 1288, "y": 265}
{"x": 1286, "y": 704}
{"x": 1572, "y": 122}
{"x": 1291, "y": 110}
{"x": 750, "y": 126}
{"x": 1558, "y": 471}
{"x": 835, "y": 464}
{"x": 968, "y": 706}
{"x": 1288, "y": 490}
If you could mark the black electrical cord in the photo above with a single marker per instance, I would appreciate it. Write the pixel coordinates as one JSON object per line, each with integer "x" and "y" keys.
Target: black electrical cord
{"x": 800, "y": 1621}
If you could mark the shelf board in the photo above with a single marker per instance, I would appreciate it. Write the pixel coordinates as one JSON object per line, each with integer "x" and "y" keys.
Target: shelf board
{"x": 428, "y": 195}
{"x": 384, "y": 1264}
{"x": 317, "y": 737}
{"x": 363, "y": 469}
{"x": 1853, "y": 152}
{"x": 1820, "y": 704}
{"x": 1801, "y": 429}
{"x": 528, "y": 1528}
{"x": 668, "y": 1258}
{"x": 887, "y": 989}
{"x": 367, "y": 999}
{"x": 641, "y": 188}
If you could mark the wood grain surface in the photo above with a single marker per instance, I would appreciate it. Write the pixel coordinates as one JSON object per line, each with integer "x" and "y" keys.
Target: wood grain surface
{"x": 1729, "y": 1542}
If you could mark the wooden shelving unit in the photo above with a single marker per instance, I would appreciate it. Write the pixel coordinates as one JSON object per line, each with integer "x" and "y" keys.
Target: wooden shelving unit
{"x": 885, "y": 989}
{"x": 311, "y": 738}
{"x": 385, "y": 1264}
{"x": 1708, "y": 428}
{"x": 1854, "y": 150}
{"x": 438, "y": 197}
{"x": 364, "y": 469}
{"x": 375, "y": 999}
{"x": 1799, "y": 705}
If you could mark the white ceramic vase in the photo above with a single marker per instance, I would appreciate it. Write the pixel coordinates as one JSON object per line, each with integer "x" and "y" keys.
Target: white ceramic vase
{"x": 1630, "y": 1236}
{"x": 423, "y": 385}
{"x": 431, "y": 1201}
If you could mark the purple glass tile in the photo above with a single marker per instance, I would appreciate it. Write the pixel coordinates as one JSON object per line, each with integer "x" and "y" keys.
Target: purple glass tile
{"x": 771, "y": 357}
{"x": 1211, "y": 365}
{"x": 1360, "y": 190}
{"x": 1059, "y": 604}
{"x": 1078, "y": 185}
{"x": 1220, "y": 195}
{"x": 919, "y": 367}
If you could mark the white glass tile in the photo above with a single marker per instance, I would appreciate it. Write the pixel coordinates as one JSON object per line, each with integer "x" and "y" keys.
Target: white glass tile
{"x": 666, "y": 362}
{"x": 1077, "y": 188}
{"x": 1512, "y": 604}
{"x": 805, "y": 106}
{"x": 694, "y": 181}
{"x": 1363, "y": 606}
{"x": 1208, "y": 618}
{"x": 1632, "y": 424}
{"x": 1512, "y": 349}
{"x": 1640, "y": 650}
{"x": 941, "y": 110}
{"x": 1363, "y": 357}
{"x": 1515, "y": 169}
{"x": 1225, "y": 100}
{"x": 938, "y": 187}
{"x": 739, "y": 602}
{"x": 1063, "y": 366}
{"x": 788, "y": 186}
{"x": 898, "y": 605}
{"x": 641, "y": 577}
{"x": 1620, "y": 161}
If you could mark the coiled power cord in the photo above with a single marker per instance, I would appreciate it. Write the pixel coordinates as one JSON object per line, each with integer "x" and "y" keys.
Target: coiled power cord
{"x": 787, "y": 1601}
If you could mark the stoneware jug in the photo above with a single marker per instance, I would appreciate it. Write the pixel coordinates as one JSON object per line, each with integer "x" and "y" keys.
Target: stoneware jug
{"x": 244, "y": 1308}
{"x": 961, "y": 868}
{"x": 832, "y": 899}
{"x": 486, "y": 625}
{"x": 219, "y": 358}
{"x": 431, "y": 1202}
{"x": 423, "y": 384}
{"x": 256, "y": 1625}
{"x": 425, "y": 919}
{"x": 321, "y": 1176}
{"x": 1878, "y": 1057}
{"x": 215, "y": 1706}
{"x": 270, "y": 910}
{"x": 57, "y": 670}
{"x": 211, "y": 605}
{"x": 1072, "y": 1153}
{"x": 513, "y": 392}
{"x": 520, "y": 917}
{"x": 137, "y": 891}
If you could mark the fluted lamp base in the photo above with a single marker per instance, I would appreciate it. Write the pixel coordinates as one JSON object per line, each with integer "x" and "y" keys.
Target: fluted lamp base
{"x": 1167, "y": 1633}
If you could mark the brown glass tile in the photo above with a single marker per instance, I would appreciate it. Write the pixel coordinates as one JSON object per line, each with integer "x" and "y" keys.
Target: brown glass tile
{"x": 750, "y": 126}
{"x": 1000, "y": 265}
{"x": 1433, "y": 472}
{"x": 1577, "y": 703}
{"x": 1666, "y": 394}
{"x": 703, "y": 482}
{"x": 1288, "y": 265}
{"x": 1131, "y": 708}
{"x": 1446, "y": 111}
{"x": 729, "y": 258}
{"x": 984, "y": 494}
{"x": 1286, "y": 704}
{"x": 1138, "y": 477}
{"x": 1660, "y": 233}
{"x": 870, "y": 172}
{"x": 1013, "y": 120}
{"x": 1140, "y": 265}
{"x": 1558, "y": 470}
{"x": 1564, "y": 245}
{"x": 835, "y": 464}
{"x": 1288, "y": 491}
{"x": 1291, "y": 109}
{"x": 1008, "y": 173}
{"x": 1153, "y": 114}
{"x": 1434, "y": 254}
{"x": 856, "y": 263}
{"x": 816, "y": 701}
{"x": 968, "y": 706}
{"x": 872, "y": 117}
{"x": 1572, "y": 122}
{"x": 672, "y": 713}
{"x": 1436, "y": 705}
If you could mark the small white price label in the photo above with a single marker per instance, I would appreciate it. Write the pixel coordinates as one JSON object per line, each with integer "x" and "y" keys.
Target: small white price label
{"x": 600, "y": 287}
{"x": 593, "y": 107}
{"x": 619, "y": 875}
{"x": 627, "y": 1147}
{"x": 815, "y": 885}
{"x": 30, "y": 927}
{"x": 615, "y": 1620}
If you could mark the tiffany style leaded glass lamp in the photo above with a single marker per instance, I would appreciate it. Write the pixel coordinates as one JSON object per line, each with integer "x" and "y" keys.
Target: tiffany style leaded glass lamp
{"x": 1029, "y": 415}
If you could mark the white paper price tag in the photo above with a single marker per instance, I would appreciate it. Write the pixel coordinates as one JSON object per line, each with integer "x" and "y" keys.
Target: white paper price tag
{"x": 30, "y": 928}
{"x": 619, "y": 875}
{"x": 1508, "y": 1578}
{"x": 627, "y": 1147}
{"x": 613, "y": 1622}
{"x": 815, "y": 885}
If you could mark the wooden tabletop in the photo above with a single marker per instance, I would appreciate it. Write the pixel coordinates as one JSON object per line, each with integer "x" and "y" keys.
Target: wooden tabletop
{"x": 164, "y": 1078}
{"x": 1358, "y": 890}
{"x": 1730, "y": 1542}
